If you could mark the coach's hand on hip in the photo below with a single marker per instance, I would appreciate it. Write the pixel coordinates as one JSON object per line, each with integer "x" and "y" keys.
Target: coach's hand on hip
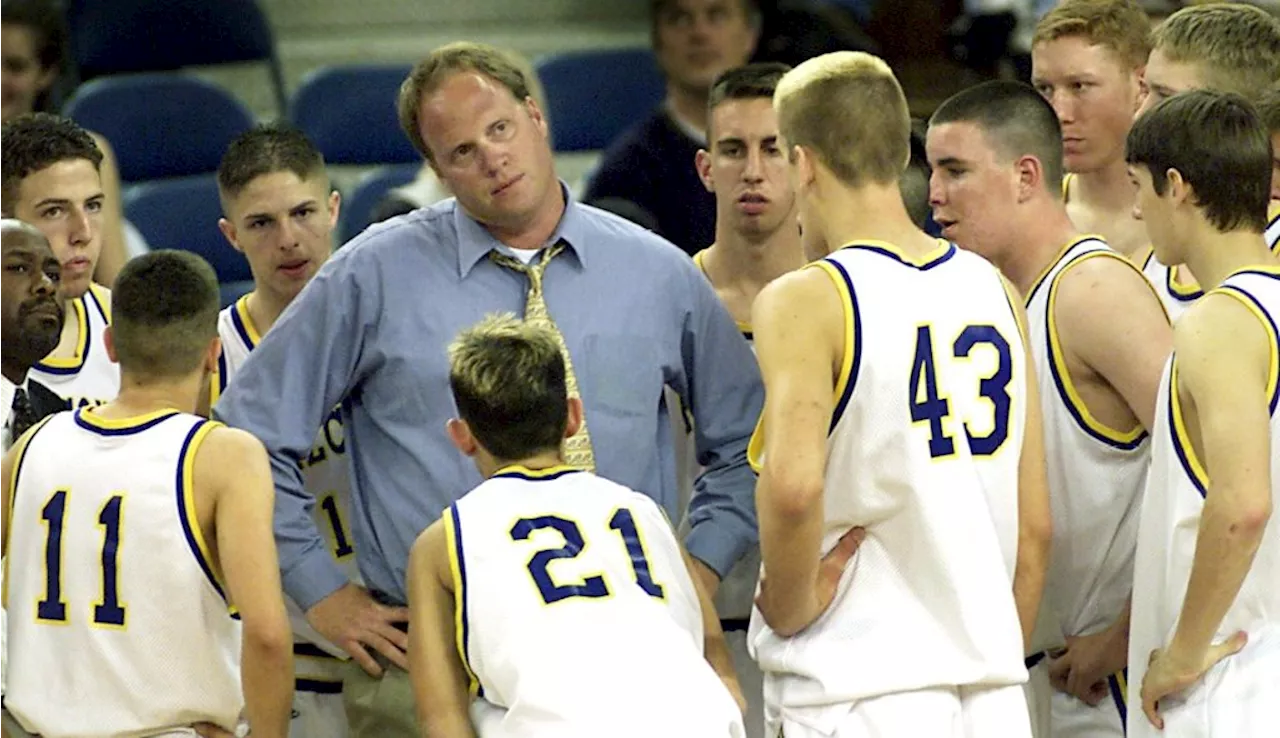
{"x": 352, "y": 619}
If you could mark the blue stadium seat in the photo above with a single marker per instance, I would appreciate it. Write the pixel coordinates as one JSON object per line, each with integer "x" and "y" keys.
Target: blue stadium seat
{"x": 357, "y": 209}
{"x": 349, "y": 113}
{"x": 183, "y": 214}
{"x": 160, "y": 125}
{"x": 592, "y": 96}
{"x": 123, "y": 36}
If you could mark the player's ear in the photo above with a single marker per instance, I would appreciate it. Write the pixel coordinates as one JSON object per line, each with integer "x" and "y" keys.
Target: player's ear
{"x": 574, "y": 421}
{"x": 211, "y": 354}
{"x": 108, "y": 338}
{"x": 1178, "y": 189}
{"x": 804, "y": 164}
{"x": 1030, "y": 177}
{"x": 335, "y": 206}
{"x": 702, "y": 163}
{"x": 229, "y": 232}
{"x": 460, "y": 434}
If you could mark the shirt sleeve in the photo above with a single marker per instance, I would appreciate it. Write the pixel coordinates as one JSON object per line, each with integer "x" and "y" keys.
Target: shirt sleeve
{"x": 309, "y": 361}
{"x": 723, "y": 387}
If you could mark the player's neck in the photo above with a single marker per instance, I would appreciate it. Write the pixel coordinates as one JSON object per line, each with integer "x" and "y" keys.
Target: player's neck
{"x": 264, "y": 308}
{"x": 488, "y": 465}
{"x": 1041, "y": 240}
{"x": 869, "y": 213}
{"x": 141, "y": 396}
{"x": 1108, "y": 189}
{"x": 13, "y": 369}
{"x": 1221, "y": 254}
{"x": 687, "y": 106}
{"x": 736, "y": 263}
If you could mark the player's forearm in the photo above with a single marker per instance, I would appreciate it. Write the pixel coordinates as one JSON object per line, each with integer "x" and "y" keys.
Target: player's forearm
{"x": 1225, "y": 546}
{"x": 266, "y": 674}
{"x": 1028, "y": 582}
{"x": 454, "y": 723}
{"x": 790, "y": 547}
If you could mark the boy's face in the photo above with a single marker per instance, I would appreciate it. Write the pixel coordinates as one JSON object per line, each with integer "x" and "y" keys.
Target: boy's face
{"x": 1165, "y": 78}
{"x": 65, "y": 202}
{"x": 1275, "y": 166}
{"x": 283, "y": 224}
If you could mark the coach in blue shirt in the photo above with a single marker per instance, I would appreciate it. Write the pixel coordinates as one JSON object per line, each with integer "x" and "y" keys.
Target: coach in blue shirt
{"x": 371, "y": 329}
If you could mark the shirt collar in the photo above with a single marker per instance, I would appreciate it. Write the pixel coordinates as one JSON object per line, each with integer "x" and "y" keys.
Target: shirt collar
{"x": 475, "y": 241}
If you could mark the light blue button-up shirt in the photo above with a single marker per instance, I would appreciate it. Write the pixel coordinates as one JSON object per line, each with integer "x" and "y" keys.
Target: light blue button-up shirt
{"x": 370, "y": 332}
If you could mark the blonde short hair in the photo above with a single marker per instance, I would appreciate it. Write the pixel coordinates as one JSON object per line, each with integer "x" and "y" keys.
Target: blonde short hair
{"x": 1235, "y": 46}
{"x": 508, "y": 380}
{"x": 1118, "y": 25}
{"x": 848, "y": 108}
{"x": 508, "y": 69}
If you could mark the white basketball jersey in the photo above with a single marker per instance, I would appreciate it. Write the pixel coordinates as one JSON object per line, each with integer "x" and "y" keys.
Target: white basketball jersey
{"x": 89, "y": 377}
{"x": 1096, "y": 474}
{"x": 923, "y": 453}
{"x": 1174, "y": 501}
{"x": 575, "y": 606}
{"x": 326, "y": 474}
{"x": 117, "y": 623}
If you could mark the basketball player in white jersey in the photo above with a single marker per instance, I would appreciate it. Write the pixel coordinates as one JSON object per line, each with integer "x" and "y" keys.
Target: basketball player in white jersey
{"x": 1100, "y": 338}
{"x": 131, "y": 528}
{"x": 557, "y": 600}
{"x": 1087, "y": 58}
{"x": 757, "y": 241}
{"x": 280, "y": 212}
{"x": 1222, "y": 47}
{"x": 899, "y": 398}
{"x": 1204, "y": 647}
{"x": 51, "y": 181}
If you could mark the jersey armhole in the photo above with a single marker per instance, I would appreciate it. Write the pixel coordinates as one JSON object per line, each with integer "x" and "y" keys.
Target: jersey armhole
{"x": 15, "y": 474}
{"x": 1124, "y": 440}
{"x": 186, "y": 504}
{"x": 1251, "y": 303}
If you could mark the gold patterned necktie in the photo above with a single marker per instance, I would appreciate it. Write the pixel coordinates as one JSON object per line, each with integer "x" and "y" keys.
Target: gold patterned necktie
{"x": 577, "y": 448}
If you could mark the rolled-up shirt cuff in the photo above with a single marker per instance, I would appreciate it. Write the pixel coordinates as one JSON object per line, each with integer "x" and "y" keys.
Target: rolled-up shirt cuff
{"x": 715, "y": 547}
{"x": 313, "y": 579}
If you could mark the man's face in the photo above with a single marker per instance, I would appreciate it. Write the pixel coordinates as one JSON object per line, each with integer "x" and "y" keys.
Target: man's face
{"x": 283, "y": 224}
{"x": 1094, "y": 94}
{"x": 1156, "y": 213}
{"x": 698, "y": 40}
{"x": 491, "y": 150}
{"x": 64, "y": 201}
{"x": 746, "y": 168}
{"x": 1164, "y": 78}
{"x": 31, "y": 306}
{"x": 971, "y": 190}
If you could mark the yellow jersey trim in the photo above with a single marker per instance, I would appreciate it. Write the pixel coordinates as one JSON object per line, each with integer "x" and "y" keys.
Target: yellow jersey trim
{"x": 1057, "y": 258}
{"x": 1066, "y": 186}
{"x": 1268, "y": 324}
{"x": 243, "y": 323}
{"x": 520, "y": 471}
{"x": 187, "y": 507}
{"x": 1122, "y": 439}
{"x": 944, "y": 251}
{"x": 1182, "y": 447}
{"x": 86, "y": 417}
{"x": 72, "y": 364}
{"x": 19, "y": 452}
{"x": 458, "y": 571}
{"x": 852, "y": 349}
{"x": 1273, "y": 218}
{"x": 755, "y": 447}
{"x": 99, "y": 296}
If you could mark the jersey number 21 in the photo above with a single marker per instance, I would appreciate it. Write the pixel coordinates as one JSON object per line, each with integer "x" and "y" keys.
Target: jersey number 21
{"x": 622, "y": 523}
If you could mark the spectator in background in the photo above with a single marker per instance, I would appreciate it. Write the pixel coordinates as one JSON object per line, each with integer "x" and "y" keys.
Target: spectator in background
{"x": 427, "y": 189}
{"x": 648, "y": 174}
{"x": 33, "y": 39}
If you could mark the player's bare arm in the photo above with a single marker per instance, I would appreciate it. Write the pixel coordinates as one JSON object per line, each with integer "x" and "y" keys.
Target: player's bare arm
{"x": 1115, "y": 332}
{"x": 799, "y": 337}
{"x": 440, "y": 683}
{"x": 1223, "y": 359}
{"x": 714, "y": 647}
{"x": 235, "y": 498}
{"x": 1035, "y": 523}
{"x": 1110, "y": 321}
